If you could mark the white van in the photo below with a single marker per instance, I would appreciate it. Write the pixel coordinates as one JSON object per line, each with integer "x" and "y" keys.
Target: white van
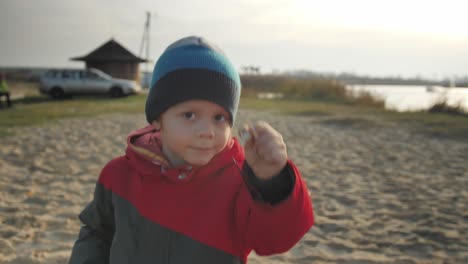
{"x": 61, "y": 83}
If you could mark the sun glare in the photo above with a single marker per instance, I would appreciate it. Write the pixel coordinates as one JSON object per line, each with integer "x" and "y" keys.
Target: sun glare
{"x": 443, "y": 18}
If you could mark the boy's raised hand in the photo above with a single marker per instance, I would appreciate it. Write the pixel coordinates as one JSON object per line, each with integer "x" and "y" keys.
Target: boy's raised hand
{"x": 265, "y": 150}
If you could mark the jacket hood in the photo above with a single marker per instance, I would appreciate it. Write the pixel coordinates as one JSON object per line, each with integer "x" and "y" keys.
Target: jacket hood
{"x": 145, "y": 156}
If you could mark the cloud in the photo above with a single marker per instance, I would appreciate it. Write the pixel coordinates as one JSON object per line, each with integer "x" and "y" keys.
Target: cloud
{"x": 361, "y": 36}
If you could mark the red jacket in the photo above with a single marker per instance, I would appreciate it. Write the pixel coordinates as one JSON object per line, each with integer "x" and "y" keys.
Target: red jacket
{"x": 145, "y": 211}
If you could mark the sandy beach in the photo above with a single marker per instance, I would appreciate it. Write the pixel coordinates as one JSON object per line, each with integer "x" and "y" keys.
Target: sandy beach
{"x": 381, "y": 193}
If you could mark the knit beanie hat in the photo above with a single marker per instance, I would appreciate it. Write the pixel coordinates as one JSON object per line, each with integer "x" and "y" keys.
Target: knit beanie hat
{"x": 193, "y": 68}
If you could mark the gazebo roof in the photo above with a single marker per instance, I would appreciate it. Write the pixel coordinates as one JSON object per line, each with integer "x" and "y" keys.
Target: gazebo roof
{"x": 111, "y": 51}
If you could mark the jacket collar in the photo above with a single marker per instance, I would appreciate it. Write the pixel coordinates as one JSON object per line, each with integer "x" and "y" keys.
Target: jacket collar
{"x": 145, "y": 155}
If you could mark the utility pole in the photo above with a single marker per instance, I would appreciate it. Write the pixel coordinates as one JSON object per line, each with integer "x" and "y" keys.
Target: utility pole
{"x": 145, "y": 41}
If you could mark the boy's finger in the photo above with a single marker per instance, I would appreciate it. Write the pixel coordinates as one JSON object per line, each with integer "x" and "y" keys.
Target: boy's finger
{"x": 247, "y": 134}
{"x": 260, "y": 127}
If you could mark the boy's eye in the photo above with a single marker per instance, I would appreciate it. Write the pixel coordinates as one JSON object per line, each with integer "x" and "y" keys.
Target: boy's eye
{"x": 189, "y": 115}
{"x": 220, "y": 118}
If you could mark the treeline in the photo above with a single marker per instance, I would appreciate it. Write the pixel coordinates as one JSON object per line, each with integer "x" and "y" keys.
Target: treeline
{"x": 32, "y": 75}
{"x": 350, "y": 78}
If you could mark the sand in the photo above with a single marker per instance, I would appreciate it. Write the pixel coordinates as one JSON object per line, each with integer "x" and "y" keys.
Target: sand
{"x": 381, "y": 193}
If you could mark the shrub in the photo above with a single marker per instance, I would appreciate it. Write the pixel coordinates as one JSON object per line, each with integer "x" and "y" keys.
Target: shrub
{"x": 321, "y": 89}
{"x": 317, "y": 89}
{"x": 366, "y": 98}
{"x": 444, "y": 107}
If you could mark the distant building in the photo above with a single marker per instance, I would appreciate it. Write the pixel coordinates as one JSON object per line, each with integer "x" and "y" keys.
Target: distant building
{"x": 113, "y": 59}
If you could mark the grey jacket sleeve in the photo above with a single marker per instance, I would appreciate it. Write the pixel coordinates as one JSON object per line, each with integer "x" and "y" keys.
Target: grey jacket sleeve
{"x": 95, "y": 237}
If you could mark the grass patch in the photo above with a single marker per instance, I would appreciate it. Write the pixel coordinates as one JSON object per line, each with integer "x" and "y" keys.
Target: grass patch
{"x": 40, "y": 110}
{"x": 37, "y": 110}
{"x": 306, "y": 108}
{"x": 4, "y": 133}
{"x": 432, "y": 124}
{"x": 349, "y": 122}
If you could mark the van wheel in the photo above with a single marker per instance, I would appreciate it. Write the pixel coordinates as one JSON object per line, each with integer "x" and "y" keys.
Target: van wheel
{"x": 57, "y": 93}
{"x": 116, "y": 92}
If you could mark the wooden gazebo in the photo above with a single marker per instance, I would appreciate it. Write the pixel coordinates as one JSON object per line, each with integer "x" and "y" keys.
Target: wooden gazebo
{"x": 113, "y": 59}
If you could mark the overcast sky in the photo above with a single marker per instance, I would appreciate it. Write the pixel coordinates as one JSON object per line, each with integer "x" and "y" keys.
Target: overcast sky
{"x": 379, "y": 38}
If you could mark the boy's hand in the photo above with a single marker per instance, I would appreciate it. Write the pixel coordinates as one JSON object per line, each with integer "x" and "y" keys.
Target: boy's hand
{"x": 265, "y": 150}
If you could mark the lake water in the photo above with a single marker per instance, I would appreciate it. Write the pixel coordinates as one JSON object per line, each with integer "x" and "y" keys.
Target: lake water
{"x": 412, "y": 97}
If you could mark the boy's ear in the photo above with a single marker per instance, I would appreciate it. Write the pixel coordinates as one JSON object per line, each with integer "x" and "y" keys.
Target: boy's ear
{"x": 156, "y": 124}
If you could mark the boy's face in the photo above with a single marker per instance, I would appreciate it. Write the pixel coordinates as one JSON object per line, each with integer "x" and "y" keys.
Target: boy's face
{"x": 193, "y": 132}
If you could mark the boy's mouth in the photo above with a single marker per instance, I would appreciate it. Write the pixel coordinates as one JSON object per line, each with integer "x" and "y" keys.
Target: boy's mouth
{"x": 201, "y": 149}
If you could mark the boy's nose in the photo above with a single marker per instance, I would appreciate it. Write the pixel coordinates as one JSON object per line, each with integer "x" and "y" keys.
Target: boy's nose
{"x": 205, "y": 129}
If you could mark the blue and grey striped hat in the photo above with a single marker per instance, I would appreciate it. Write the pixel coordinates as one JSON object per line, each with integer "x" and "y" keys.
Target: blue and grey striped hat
{"x": 193, "y": 68}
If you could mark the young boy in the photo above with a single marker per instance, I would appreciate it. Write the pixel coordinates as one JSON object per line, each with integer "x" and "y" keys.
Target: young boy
{"x": 186, "y": 191}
